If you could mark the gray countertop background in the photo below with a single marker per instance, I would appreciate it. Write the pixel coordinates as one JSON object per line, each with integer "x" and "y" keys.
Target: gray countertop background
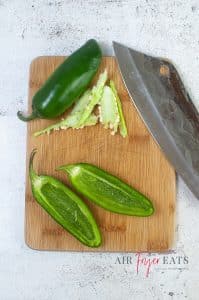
{"x": 46, "y": 27}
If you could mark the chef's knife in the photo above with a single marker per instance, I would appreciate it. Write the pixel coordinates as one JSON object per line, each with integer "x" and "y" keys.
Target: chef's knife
{"x": 160, "y": 97}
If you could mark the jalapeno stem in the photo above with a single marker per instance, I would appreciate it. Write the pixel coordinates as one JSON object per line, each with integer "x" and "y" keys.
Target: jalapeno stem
{"x": 24, "y": 117}
{"x": 31, "y": 171}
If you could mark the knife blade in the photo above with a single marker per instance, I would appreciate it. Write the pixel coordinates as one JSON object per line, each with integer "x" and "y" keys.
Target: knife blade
{"x": 161, "y": 99}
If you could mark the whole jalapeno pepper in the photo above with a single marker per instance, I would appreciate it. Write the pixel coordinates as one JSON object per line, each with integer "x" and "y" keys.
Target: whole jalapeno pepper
{"x": 66, "y": 83}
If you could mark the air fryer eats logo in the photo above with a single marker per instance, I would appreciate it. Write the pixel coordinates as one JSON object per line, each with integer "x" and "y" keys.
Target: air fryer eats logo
{"x": 145, "y": 263}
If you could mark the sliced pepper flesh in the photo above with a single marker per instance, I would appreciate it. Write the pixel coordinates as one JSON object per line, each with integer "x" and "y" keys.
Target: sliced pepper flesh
{"x": 107, "y": 191}
{"x": 65, "y": 207}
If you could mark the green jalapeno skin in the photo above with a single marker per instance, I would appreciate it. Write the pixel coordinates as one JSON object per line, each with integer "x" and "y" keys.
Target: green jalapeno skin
{"x": 65, "y": 207}
{"x": 107, "y": 191}
{"x": 66, "y": 83}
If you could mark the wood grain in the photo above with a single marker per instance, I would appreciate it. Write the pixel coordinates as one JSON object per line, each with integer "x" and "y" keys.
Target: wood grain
{"x": 136, "y": 159}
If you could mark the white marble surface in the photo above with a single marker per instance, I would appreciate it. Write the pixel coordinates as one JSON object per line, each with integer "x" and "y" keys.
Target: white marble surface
{"x": 47, "y": 27}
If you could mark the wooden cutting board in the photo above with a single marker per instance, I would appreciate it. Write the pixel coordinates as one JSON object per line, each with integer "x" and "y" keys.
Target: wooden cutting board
{"x": 136, "y": 159}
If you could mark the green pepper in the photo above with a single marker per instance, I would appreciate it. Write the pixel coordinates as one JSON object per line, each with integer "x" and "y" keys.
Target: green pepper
{"x": 107, "y": 190}
{"x": 65, "y": 207}
{"x": 66, "y": 83}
